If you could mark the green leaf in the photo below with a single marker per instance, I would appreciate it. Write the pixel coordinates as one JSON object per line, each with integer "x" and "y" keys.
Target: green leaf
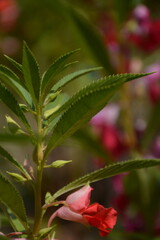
{"x": 51, "y": 97}
{"x": 70, "y": 64}
{"x": 58, "y": 163}
{"x": 11, "y": 79}
{"x": 107, "y": 81}
{"x": 13, "y": 126}
{"x": 14, "y": 221}
{"x": 9, "y": 75}
{"x": 17, "y": 177}
{"x": 47, "y": 197}
{"x": 92, "y": 39}
{"x": 48, "y": 79}
{"x": 55, "y": 105}
{"x": 16, "y": 64}
{"x": 20, "y": 138}
{"x": 12, "y": 199}
{"x": 70, "y": 77}
{"x": 84, "y": 105}
{"x": 45, "y": 231}
{"x": 49, "y": 125}
{"x": 31, "y": 73}
{"x": 9, "y": 100}
{"x": 7, "y": 156}
{"x": 106, "y": 172}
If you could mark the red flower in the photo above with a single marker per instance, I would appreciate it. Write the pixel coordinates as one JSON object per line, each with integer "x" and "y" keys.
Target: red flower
{"x": 110, "y": 136}
{"x": 102, "y": 218}
{"x": 149, "y": 41}
{"x": 142, "y": 30}
{"x": 113, "y": 140}
{"x": 9, "y": 12}
{"x": 77, "y": 209}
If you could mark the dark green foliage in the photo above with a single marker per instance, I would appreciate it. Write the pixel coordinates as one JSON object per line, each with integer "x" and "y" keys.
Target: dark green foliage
{"x": 70, "y": 77}
{"x": 58, "y": 66}
{"x": 8, "y": 99}
{"x": 84, "y": 105}
{"x": 92, "y": 39}
{"x": 12, "y": 199}
{"x": 31, "y": 73}
{"x": 53, "y": 111}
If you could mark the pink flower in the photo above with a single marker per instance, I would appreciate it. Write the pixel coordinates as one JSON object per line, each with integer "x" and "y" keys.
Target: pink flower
{"x": 76, "y": 208}
{"x": 151, "y": 40}
{"x": 114, "y": 141}
{"x": 111, "y": 137}
{"x": 142, "y": 16}
{"x": 153, "y": 83}
{"x": 143, "y": 31}
{"x": 79, "y": 200}
{"x": 107, "y": 116}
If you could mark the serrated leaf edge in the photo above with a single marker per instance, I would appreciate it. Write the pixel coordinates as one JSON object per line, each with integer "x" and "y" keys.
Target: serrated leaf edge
{"x": 95, "y": 82}
{"x": 118, "y": 164}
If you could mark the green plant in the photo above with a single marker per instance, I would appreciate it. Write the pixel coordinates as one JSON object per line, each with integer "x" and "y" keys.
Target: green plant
{"x": 57, "y": 118}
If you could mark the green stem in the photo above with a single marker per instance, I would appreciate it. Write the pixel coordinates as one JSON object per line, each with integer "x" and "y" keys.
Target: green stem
{"x": 127, "y": 117}
{"x": 40, "y": 165}
{"x": 126, "y": 98}
{"x": 38, "y": 203}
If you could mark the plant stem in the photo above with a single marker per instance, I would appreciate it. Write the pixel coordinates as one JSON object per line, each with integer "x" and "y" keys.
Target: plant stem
{"x": 40, "y": 164}
{"x": 38, "y": 204}
{"x": 126, "y": 98}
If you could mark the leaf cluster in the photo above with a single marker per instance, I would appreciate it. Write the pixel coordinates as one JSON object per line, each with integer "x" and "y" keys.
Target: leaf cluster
{"x": 57, "y": 116}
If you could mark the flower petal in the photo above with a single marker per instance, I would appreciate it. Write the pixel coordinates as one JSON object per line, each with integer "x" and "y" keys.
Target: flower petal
{"x": 67, "y": 214}
{"x": 79, "y": 200}
{"x": 102, "y": 218}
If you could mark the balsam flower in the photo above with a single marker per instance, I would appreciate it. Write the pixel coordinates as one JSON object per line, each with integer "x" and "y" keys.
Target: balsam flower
{"x": 144, "y": 32}
{"x": 77, "y": 209}
{"x": 111, "y": 137}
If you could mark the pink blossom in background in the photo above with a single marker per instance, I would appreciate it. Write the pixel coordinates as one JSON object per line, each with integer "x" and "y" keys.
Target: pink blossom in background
{"x": 134, "y": 224}
{"x": 141, "y": 15}
{"x": 114, "y": 141}
{"x": 107, "y": 115}
{"x": 155, "y": 147}
{"x": 121, "y": 200}
{"x": 144, "y": 32}
{"x": 153, "y": 82}
{"x": 110, "y": 135}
